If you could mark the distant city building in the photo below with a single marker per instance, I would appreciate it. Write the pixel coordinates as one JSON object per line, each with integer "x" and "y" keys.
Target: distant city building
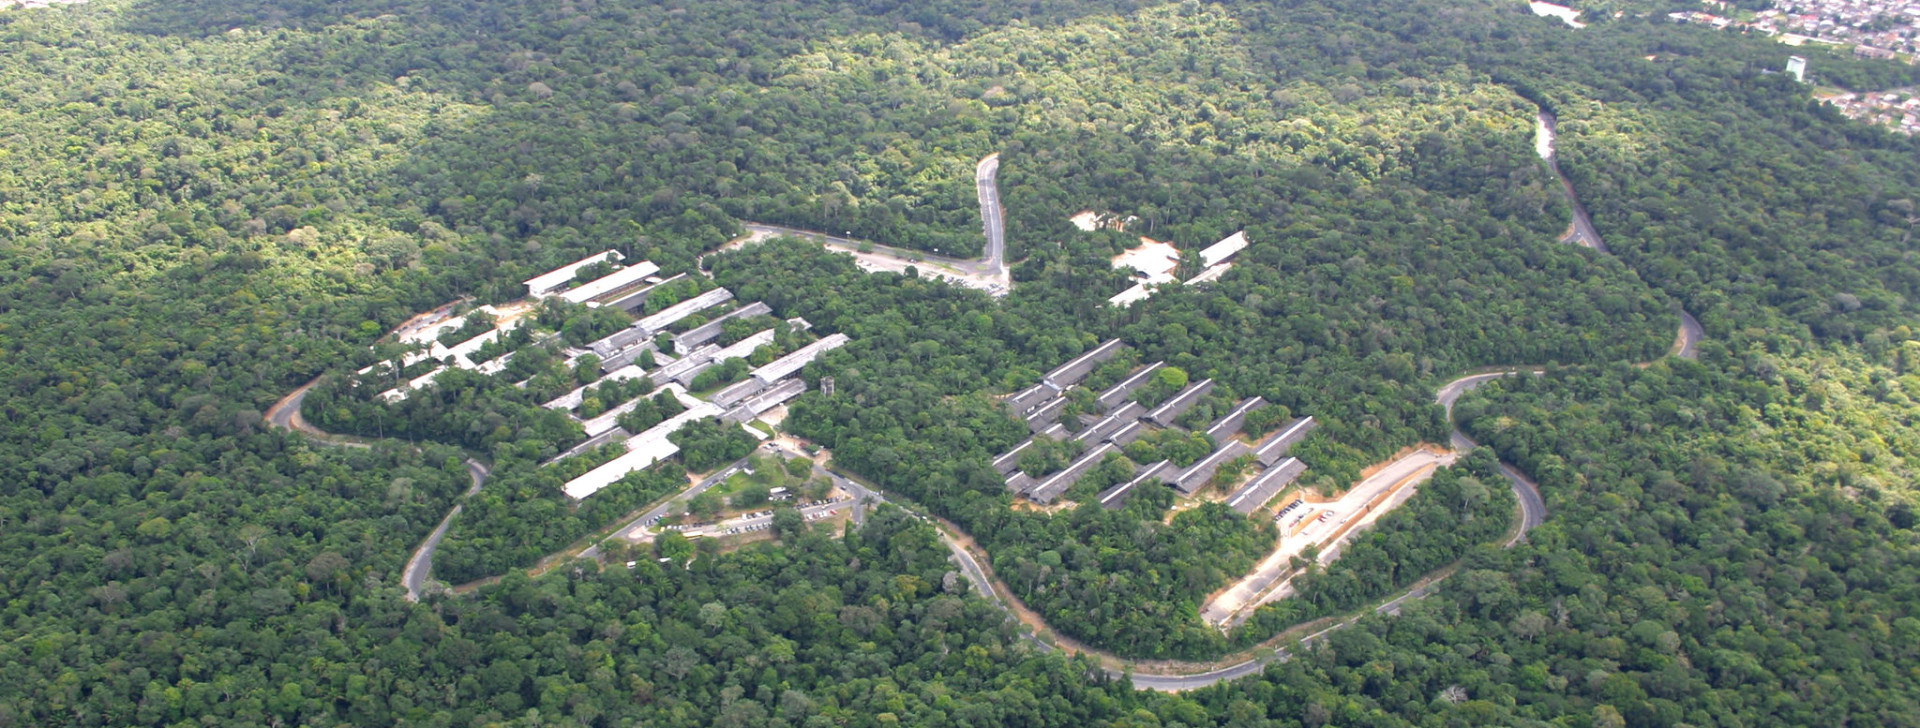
{"x": 1797, "y": 66}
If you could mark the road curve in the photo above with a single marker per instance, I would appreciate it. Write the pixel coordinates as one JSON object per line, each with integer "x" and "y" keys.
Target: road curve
{"x": 1690, "y": 335}
{"x": 420, "y": 566}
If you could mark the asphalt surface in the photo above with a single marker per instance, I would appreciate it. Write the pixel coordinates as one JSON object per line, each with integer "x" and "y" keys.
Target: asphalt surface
{"x": 1582, "y": 232}
{"x": 1533, "y": 509}
{"x": 420, "y": 567}
{"x": 991, "y": 218}
{"x": 1690, "y": 335}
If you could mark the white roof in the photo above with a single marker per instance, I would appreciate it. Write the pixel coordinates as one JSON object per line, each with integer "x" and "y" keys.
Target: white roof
{"x": 784, "y": 366}
{"x": 740, "y": 349}
{"x": 613, "y": 470}
{"x": 563, "y": 275}
{"x": 1123, "y": 299}
{"x": 1218, "y": 252}
{"x": 667, "y": 316}
{"x": 610, "y": 282}
{"x": 572, "y": 399}
{"x": 1210, "y": 275}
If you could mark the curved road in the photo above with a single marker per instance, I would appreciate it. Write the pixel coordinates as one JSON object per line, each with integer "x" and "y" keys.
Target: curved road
{"x": 285, "y": 414}
{"x": 420, "y": 567}
{"x": 1581, "y": 231}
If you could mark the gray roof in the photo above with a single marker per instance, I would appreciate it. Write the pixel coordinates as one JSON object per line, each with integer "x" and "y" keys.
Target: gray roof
{"x": 1079, "y": 367}
{"x": 1280, "y": 442}
{"x": 627, "y": 357}
{"x": 1046, "y": 415}
{"x": 1116, "y": 496}
{"x": 635, "y": 299}
{"x": 738, "y": 391}
{"x": 1229, "y": 425}
{"x": 1058, "y": 483}
{"x": 1010, "y": 460}
{"x": 1126, "y": 435}
{"x": 1019, "y": 482}
{"x": 1199, "y": 473}
{"x": 712, "y": 329}
{"x": 1056, "y": 432}
{"x": 1026, "y": 400}
{"x": 696, "y": 359}
{"x": 1119, "y": 392}
{"x": 619, "y": 340}
{"x": 759, "y": 403}
{"x": 1100, "y": 431}
{"x": 1170, "y": 410}
{"x": 1251, "y": 496}
{"x": 668, "y": 316}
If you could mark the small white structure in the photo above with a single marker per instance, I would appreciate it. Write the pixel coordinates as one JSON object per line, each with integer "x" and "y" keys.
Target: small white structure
{"x": 1797, "y": 65}
{"x": 1139, "y": 292}
{"x": 558, "y": 278}
{"x": 611, "y": 282}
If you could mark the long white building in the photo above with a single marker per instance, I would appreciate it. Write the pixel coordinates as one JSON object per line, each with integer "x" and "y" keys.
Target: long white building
{"x": 558, "y": 278}
{"x": 610, "y": 282}
{"x": 643, "y": 450}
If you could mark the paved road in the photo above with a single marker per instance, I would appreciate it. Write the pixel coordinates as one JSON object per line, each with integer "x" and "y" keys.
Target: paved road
{"x": 1690, "y": 335}
{"x": 1582, "y": 232}
{"x": 1533, "y": 509}
{"x": 420, "y": 567}
{"x": 984, "y": 179}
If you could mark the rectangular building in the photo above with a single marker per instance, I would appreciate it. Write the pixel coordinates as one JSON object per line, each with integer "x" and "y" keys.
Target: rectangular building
{"x": 643, "y": 450}
{"x": 1056, "y": 432}
{"x": 1210, "y": 275}
{"x": 713, "y": 328}
{"x": 630, "y": 356}
{"x": 1119, "y": 393}
{"x": 610, "y": 282}
{"x": 1115, "y": 497}
{"x": 1019, "y": 483}
{"x": 1099, "y": 431}
{"x": 666, "y": 317}
{"x": 1010, "y": 460}
{"x": 1126, "y": 435}
{"x": 1197, "y": 475}
{"x": 1070, "y": 373}
{"x": 1048, "y": 414}
{"x": 1170, "y": 410}
{"x": 786, "y": 366}
{"x": 1228, "y": 426}
{"x": 615, "y": 434}
{"x": 738, "y": 392}
{"x": 619, "y": 341}
{"x": 572, "y": 399}
{"x": 1277, "y": 445}
{"x": 636, "y": 299}
{"x": 1219, "y": 252}
{"x": 693, "y": 361}
{"x": 558, "y": 278}
{"x": 1053, "y": 485}
{"x": 1025, "y": 401}
{"x": 1255, "y": 494}
{"x": 756, "y": 405}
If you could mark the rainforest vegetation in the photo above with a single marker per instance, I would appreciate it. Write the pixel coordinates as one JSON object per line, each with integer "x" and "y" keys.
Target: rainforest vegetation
{"x": 204, "y": 206}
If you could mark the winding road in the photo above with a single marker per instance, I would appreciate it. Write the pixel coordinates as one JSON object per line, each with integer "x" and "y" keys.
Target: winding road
{"x": 286, "y": 415}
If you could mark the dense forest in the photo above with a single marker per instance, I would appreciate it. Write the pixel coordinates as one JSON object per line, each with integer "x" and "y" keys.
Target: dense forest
{"x": 204, "y": 206}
